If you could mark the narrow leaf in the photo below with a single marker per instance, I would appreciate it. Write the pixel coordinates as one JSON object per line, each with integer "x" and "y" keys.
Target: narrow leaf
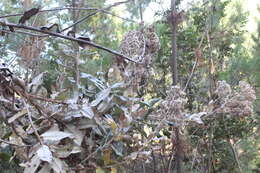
{"x": 44, "y": 153}
{"x": 28, "y": 14}
{"x": 33, "y": 165}
{"x": 101, "y": 96}
{"x": 55, "y": 136}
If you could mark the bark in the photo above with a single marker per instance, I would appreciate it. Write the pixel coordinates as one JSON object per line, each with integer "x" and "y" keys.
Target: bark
{"x": 174, "y": 43}
{"x": 175, "y": 131}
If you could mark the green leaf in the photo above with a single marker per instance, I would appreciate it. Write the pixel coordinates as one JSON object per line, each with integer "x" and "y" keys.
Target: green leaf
{"x": 99, "y": 170}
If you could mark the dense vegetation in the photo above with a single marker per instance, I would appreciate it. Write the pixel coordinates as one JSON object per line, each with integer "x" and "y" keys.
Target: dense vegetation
{"x": 87, "y": 86}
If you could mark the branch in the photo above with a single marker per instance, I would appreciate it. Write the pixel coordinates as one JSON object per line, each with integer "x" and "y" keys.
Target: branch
{"x": 112, "y": 14}
{"x": 194, "y": 66}
{"x": 23, "y": 32}
{"x": 235, "y": 155}
{"x": 95, "y": 12}
{"x": 10, "y": 143}
{"x": 73, "y": 8}
{"x": 70, "y": 38}
{"x": 31, "y": 122}
{"x": 54, "y": 9}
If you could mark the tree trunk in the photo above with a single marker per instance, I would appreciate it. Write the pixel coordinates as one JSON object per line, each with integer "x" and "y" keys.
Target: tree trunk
{"x": 175, "y": 131}
{"x": 174, "y": 43}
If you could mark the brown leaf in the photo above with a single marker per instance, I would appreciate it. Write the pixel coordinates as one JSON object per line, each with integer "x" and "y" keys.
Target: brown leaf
{"x": 50, "y": 27}
{"x": 198, "y": 53}
{"x": 71, "y": 34}
{"x": 2, "y": 33}
{"x": 30, "y": 49}
{"x": 212, "y": 67}
{"x": 28, "y": 14}
{"x": 11, "y": 28}
{"x": 81, "y": 44}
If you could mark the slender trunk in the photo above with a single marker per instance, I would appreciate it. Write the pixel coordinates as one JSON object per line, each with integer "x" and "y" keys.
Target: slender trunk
{"x": 141, "y": 12}
{"x": 74, "y": 15}
{"x": 178, "y": 150}
{"x": 174, "y": 43}
{"x": 76, "y": 53}
{"x": 175, "y": 131}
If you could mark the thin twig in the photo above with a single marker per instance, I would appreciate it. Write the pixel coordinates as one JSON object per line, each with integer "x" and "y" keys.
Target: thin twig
{"x": 77, "y": 74}
{"x": 98, "y": 149}
{"x": 154, "y": 162}
{"x": 210, "y": 59}
{"x": 70, "y": 38}
{"x": 170, "y": 164}
{"x": 93, "y": 13}
{"x": 49, "y": 10}
{"x": 23, "y": 32}
{"x": 10, "y": 143}
{"x": 195, "y": 155}
{"x": 194, "y": 66}
{"x": 73, "y": 8}
{"x": 31, "y": 122}
{"x": 210, "y": 147}
{"x": 46, "y": 99}
{"x": 112, "y": 14}
{"x": 235, "y": 155}
{"x": 232, "y": 147}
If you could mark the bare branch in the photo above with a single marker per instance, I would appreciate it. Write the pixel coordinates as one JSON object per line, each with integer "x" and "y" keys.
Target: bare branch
{"x": 31, "y": 122}
{"x": 70, "y": 38}
{"x": 23, "y": 32}
{"x": 10, "y": 143}
{"x": 54, "y": 9}
{"x": 194, "y": 66}
{"x": 95, "y": 12}
{"x": 112, "y": 14}
{"x": 73, "y": 8}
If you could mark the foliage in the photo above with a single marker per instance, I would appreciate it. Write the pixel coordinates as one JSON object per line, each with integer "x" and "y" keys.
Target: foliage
{"x": 74, "y": 109}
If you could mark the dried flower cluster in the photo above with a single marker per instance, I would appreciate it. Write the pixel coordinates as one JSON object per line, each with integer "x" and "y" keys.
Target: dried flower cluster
{"x": 236, "y": 103}
{"x": 133, "y": 45}
{"x": 172, "y": 107}
{"x": 141, "y": 46}
{"x": 152, "y": 40}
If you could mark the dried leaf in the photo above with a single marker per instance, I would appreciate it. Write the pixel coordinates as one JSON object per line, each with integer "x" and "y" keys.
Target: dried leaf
{"x": 28, "y": 14}
{"x": 17, "y": 115}
{"x": 117, "y": 85}
{"x": 32, "y": 166}
{"x": 98, "y": 83}
{"x": 45, "y": 169}
{"x": 36, "y": 82}
{"x": 198, "y": 53}
{"x": 44, "y": 153}
{"x": 62, "y": 151}
{"x": 11, "y": 28}
{"x": 212, "y": 67}
{"x": 87, "y": 111}
{"x": 58, "y": 165}
{"x": 55, "y": 136}
{"x": 50, "y": 27}
{"x": 78, "y": 135}
{"x": 107, "y": 157}
{"x": 111, "y": 123}
{"x": 105, "y": 105}
{"x": 118, "y": 148}
{"x": 101, "y": 96}
{"x": 30, "y": 49}
{"x": 82, "y": 44}
{"x": 196, "y": 117}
